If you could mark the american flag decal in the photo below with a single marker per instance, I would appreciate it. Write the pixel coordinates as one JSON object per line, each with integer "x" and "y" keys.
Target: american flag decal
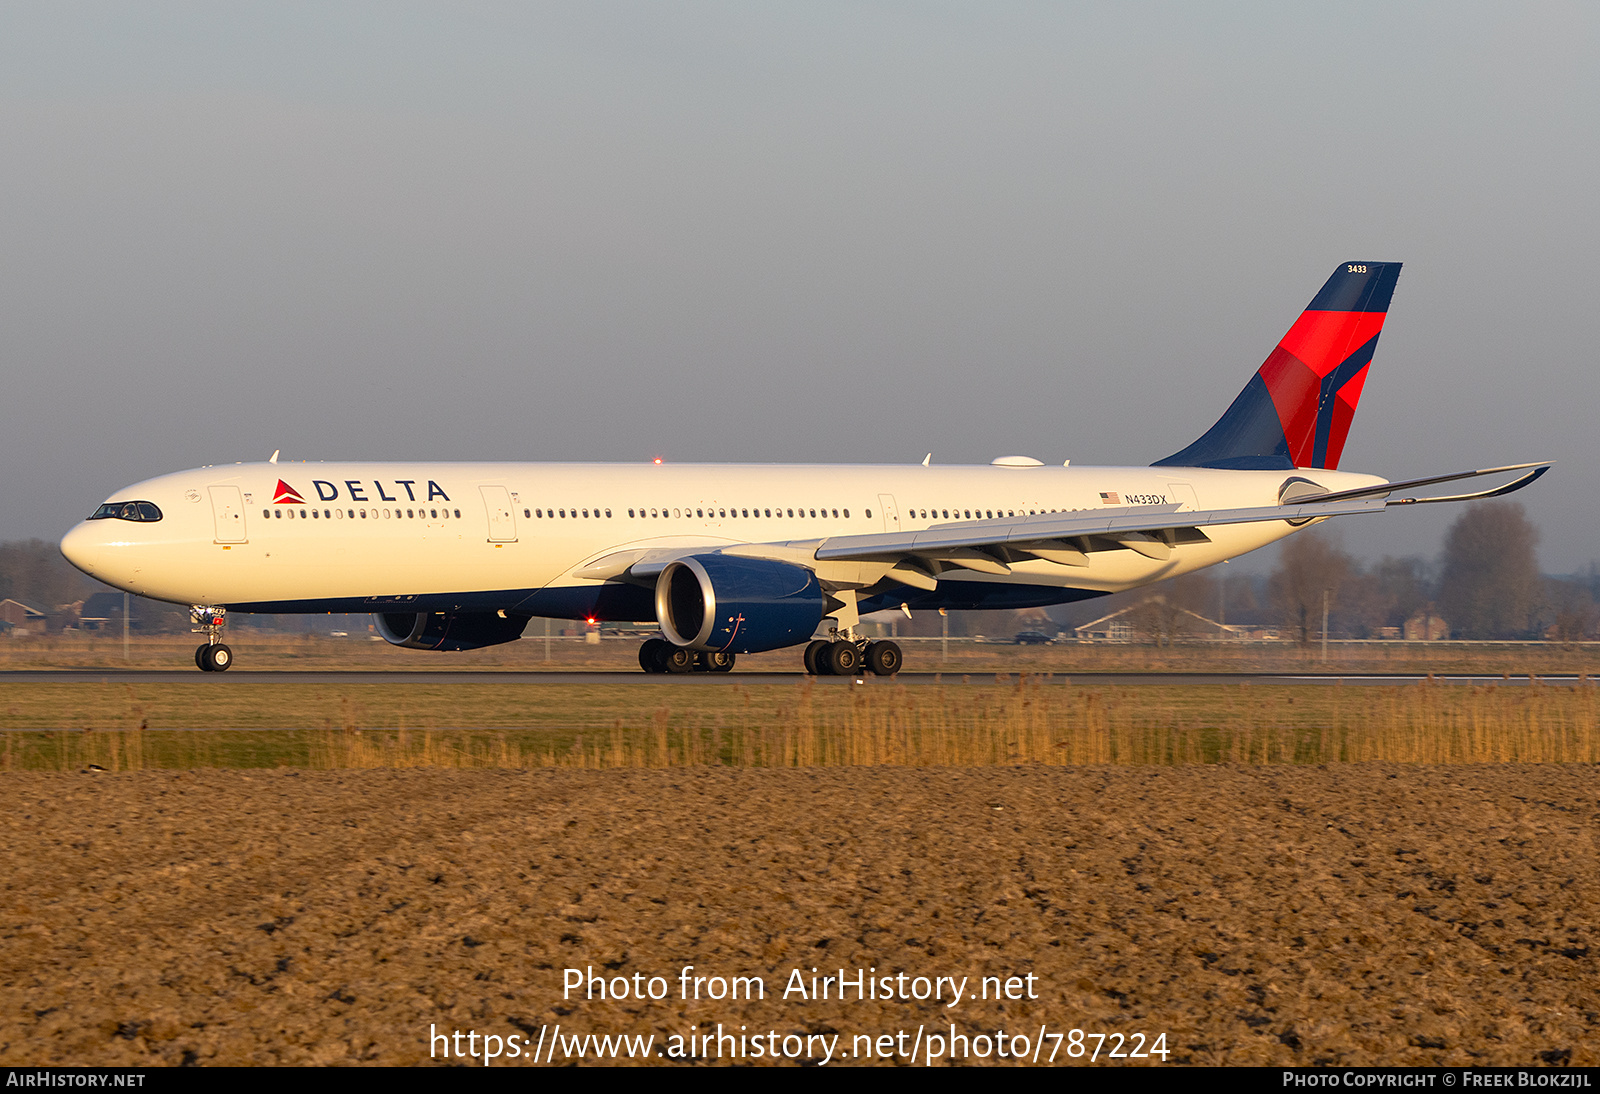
{"x": 1112, "y": 498}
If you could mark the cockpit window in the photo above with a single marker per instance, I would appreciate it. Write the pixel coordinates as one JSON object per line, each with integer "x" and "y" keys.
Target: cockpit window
{"x": 128, "y": 510}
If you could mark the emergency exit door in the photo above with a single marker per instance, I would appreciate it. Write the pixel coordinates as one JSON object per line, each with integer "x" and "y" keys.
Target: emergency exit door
{"x": 891, "y": 513}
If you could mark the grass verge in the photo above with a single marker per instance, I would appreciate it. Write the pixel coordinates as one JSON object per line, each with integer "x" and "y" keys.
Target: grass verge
{"x": 1030, "y": 720}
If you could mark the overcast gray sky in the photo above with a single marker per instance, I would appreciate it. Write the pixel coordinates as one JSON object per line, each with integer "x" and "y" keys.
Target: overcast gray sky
{"x": 798, "y": 232}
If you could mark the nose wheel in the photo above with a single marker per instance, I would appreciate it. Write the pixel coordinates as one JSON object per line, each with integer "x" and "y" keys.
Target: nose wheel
{"x": 213, "y": 656}
{"x": 218, "y": 658}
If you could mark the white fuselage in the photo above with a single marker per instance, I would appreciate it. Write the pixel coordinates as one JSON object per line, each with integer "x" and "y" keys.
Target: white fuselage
{"x": 380, "y": 532}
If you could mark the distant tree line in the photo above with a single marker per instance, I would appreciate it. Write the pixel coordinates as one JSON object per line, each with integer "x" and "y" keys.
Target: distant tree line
{"x": 33, "y": 572}
{"x": 1485, "y": 584}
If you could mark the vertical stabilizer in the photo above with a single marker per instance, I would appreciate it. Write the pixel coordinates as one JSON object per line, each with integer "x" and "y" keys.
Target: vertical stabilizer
{"x": 1297, "y": 409}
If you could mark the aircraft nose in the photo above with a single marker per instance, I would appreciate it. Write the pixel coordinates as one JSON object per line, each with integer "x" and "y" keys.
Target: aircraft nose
{"x": 85, "y": 548}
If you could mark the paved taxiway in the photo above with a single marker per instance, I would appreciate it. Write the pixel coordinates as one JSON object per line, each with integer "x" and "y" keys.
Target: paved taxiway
{"x": 1091, "y": 679}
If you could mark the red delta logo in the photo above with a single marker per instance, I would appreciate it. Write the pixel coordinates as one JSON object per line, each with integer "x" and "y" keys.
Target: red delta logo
{"x": 287, "y": 495}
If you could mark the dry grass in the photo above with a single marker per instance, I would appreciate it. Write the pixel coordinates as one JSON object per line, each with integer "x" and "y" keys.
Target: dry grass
{"x": 1021, "y": 721}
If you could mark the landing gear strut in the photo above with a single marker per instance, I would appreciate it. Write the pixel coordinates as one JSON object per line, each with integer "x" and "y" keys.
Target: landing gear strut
{"x": 847, "y": 655}
{"x": 213, "y": 656}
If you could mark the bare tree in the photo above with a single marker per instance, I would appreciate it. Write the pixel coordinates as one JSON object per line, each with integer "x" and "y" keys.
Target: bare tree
{"x": 1570, "y": 604}
{"x": 1311, "y": 564}
{"x": 1363, "y": 605}
{"x": 1489, "y": 583}
{"x": 1406, "y": 587}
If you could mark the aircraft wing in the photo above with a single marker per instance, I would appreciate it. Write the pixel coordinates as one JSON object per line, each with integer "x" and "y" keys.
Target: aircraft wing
{"x": 1150, "y": 529}
{"x": 1153, "y": 530}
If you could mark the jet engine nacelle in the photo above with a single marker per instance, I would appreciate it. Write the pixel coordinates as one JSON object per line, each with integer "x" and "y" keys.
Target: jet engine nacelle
{"x": 737, "y": 605}
{"x": 449, "y": 630}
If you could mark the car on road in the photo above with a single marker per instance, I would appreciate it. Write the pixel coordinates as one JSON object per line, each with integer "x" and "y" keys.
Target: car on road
{"x": 1033, "y": 638}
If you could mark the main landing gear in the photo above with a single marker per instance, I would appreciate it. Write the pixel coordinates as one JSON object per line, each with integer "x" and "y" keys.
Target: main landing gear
{"x": 213, "y": 656}
{"x": 846, "y": 656}
{"x": 659, "y": 655}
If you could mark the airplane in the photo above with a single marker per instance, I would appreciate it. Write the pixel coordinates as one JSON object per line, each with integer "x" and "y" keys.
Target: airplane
{"x": 746, "y": 558}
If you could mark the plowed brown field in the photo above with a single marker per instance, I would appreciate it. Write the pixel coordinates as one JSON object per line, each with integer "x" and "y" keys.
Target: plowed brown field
{"x": 1350, "y": 914}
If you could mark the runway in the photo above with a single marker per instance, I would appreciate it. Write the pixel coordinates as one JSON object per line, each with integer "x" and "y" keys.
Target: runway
{"x": 747, "y": 679}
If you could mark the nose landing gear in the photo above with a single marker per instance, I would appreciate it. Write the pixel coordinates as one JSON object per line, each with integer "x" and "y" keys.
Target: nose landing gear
{"x": 213, "y": 656}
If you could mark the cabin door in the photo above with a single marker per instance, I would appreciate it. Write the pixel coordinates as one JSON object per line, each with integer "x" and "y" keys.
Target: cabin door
{"x": 502, "y": 521}
{"x": 227, "y": 510}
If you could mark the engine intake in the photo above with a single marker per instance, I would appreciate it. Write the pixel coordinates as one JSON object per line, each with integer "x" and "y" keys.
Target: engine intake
{"x": 448, "y": 631}
{"x": 737, "y": 605}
